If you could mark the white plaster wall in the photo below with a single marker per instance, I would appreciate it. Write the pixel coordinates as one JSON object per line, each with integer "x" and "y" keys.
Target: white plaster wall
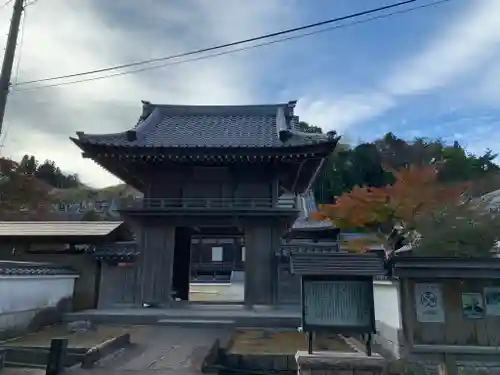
{"x": 387, "y": 315}
{"x": 386, "y": 298}
{"x": 22, "y": 297}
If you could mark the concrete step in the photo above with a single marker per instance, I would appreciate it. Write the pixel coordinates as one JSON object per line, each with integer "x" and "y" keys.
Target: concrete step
{"x": 222, "y": 319}
{"x": 35, "y": 357}
{"x": 24, "y": 365}
{"x": 196, "y": 322}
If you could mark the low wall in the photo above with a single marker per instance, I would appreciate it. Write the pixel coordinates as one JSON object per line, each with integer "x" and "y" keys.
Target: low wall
{"x": 335, "y": 363}
{"x": 28, "y": 303}
{"x": 388, "y": 316}
{"x": 84, "y": 296}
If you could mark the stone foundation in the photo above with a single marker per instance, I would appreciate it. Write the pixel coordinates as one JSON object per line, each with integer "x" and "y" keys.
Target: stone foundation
{"x": 330, "y": 363}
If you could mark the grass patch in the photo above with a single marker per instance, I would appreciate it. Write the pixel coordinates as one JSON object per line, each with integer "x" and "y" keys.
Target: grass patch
{"x": 282, "y": 342}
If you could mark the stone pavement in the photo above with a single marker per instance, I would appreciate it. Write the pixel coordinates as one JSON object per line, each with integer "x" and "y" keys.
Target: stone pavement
{"x": 155, "y": 350}
{"x": 233, "y": 292}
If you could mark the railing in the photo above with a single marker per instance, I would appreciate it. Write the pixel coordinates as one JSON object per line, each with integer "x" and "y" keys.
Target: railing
{"x": 208, "y": 203}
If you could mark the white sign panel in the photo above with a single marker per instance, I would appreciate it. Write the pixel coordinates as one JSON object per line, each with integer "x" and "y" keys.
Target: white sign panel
{"x": 429, "y": 303}
{"x": 217, "y": 254}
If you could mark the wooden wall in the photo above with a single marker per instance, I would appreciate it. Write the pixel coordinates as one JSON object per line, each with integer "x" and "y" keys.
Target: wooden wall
{"x": 457, "y": 329}
{"x": 214, "y": 182}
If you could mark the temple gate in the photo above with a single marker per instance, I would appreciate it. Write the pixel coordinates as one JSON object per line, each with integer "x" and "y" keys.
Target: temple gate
{"x": 224, "y": 168}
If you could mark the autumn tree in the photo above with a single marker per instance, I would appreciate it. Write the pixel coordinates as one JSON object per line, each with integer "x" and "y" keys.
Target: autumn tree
{"x": 22, "y": 195}
{"x": 361, "y": 165}
{"x": 394, "y": 207}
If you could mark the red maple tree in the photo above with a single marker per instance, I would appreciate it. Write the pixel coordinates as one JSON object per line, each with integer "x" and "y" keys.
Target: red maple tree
{"x": 415, "y": 191}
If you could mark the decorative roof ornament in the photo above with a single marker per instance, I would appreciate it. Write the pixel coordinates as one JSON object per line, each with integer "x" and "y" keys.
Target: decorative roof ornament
{"x": 147, "y": 109}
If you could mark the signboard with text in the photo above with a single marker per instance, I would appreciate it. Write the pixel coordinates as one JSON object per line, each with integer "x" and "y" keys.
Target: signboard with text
{"x": 343, "y": 306}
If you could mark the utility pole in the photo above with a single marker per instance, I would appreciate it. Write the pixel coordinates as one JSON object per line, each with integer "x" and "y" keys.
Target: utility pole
{"x": 8, "y": 59}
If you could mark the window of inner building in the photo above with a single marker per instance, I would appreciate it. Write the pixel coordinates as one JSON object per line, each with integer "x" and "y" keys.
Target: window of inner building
{"x": 217, "y": 253}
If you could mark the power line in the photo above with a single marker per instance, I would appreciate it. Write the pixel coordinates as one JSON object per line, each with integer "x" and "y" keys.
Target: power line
{"x": 5, "y": 4}
{"x": 234, "y": 50}
{"x": 231, "y": 44}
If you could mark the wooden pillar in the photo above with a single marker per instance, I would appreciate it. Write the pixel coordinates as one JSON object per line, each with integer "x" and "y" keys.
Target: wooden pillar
{"x": 156, "y": 264}
{"x": 260, "y": 271}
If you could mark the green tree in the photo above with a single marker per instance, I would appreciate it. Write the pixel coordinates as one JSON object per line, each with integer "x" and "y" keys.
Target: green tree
{"x": 49, "y": 172}
{"x": 28, "y": 164}
{"x": 307, "y": 128}
{"x": 465, "y": 230}
{"x": 22, "y": 195}
{"x": 364, "y": 165}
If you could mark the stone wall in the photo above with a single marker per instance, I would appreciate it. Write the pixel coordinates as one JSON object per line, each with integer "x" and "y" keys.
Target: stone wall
{"x": 334, "y": 363}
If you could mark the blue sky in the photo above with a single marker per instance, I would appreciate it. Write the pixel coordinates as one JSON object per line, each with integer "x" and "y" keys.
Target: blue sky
{"x": 432, "y": 72}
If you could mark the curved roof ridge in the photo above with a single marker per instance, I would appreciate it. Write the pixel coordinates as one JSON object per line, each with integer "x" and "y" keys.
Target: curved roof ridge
{"x": 221, "y": 110}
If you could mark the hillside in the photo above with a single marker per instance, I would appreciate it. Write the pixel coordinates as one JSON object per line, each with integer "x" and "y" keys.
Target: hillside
{"x": 83, "y": 193}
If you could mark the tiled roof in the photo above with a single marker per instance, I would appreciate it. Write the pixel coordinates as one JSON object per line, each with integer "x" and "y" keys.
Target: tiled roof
{"x": 341, "y": 263}
{"x": 57, "y": 228}
{"x": 249, "y": 126}
{"x": 409, "y": 266}
{"x": 118, "y": 251}
{"x": 11, "y": 268}
{"x": 306, "y": 247}
{"x": 307, "y": 205}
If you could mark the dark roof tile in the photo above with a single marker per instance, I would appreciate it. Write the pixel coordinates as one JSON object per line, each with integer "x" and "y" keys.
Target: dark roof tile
{"x": 409, "y": 266}
{"x": 250, "y": 126}
{"x": 340, "y": 263}
{"x": 58, "y": 228}
{"x": 307, "y": 247}
{"x": 118, "y": 251}
{"x": 12, "y": 268}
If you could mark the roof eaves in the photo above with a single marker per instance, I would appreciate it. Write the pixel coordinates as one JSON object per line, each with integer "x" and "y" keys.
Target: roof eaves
{"x": 57, "y": 228}
{"x": 340, "y": 263}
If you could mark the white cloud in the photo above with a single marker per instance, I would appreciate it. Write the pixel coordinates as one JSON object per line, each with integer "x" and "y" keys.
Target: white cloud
{"x": 464, "y": 45}
{"x": 347, "y": 110}
{"x": 60, "y": 38}
{"x": 488, "y": 88}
